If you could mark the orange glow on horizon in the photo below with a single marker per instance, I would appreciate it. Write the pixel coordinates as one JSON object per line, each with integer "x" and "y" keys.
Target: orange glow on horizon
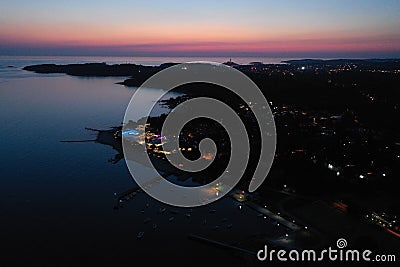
{"x": 204, "y": 27}
{"x": 188, "y": 38}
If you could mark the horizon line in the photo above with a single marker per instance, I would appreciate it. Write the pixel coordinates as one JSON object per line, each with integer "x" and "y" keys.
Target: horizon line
{"x": 320, "y": 57}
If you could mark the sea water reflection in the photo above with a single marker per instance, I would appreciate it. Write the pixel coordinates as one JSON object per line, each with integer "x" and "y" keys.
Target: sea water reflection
{"x": 57, "y": 199}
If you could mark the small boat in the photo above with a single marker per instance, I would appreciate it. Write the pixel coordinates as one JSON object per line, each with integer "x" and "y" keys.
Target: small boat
{"x": 173, "y": 212}
{"x": 140, "y": 235}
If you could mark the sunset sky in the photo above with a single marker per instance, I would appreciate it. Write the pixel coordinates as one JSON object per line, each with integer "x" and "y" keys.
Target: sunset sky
{"x": 358, "y": 28}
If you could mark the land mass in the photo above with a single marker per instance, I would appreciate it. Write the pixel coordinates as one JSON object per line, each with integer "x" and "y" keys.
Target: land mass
{"x": 137, "y": 73}
{"x": 338, "y": 148}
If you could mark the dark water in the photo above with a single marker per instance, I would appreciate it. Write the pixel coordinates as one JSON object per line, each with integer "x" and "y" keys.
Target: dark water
{"x": 56, "y": 199}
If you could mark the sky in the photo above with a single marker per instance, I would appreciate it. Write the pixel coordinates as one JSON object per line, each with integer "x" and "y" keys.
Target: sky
{"x": 352, "y": 28}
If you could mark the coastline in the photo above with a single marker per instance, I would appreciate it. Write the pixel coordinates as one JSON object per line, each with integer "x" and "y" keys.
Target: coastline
{"x": 138, "y": 73}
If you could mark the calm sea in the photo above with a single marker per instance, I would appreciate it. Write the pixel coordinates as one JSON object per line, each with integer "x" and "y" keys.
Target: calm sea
{"x": 56, "y": 199}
